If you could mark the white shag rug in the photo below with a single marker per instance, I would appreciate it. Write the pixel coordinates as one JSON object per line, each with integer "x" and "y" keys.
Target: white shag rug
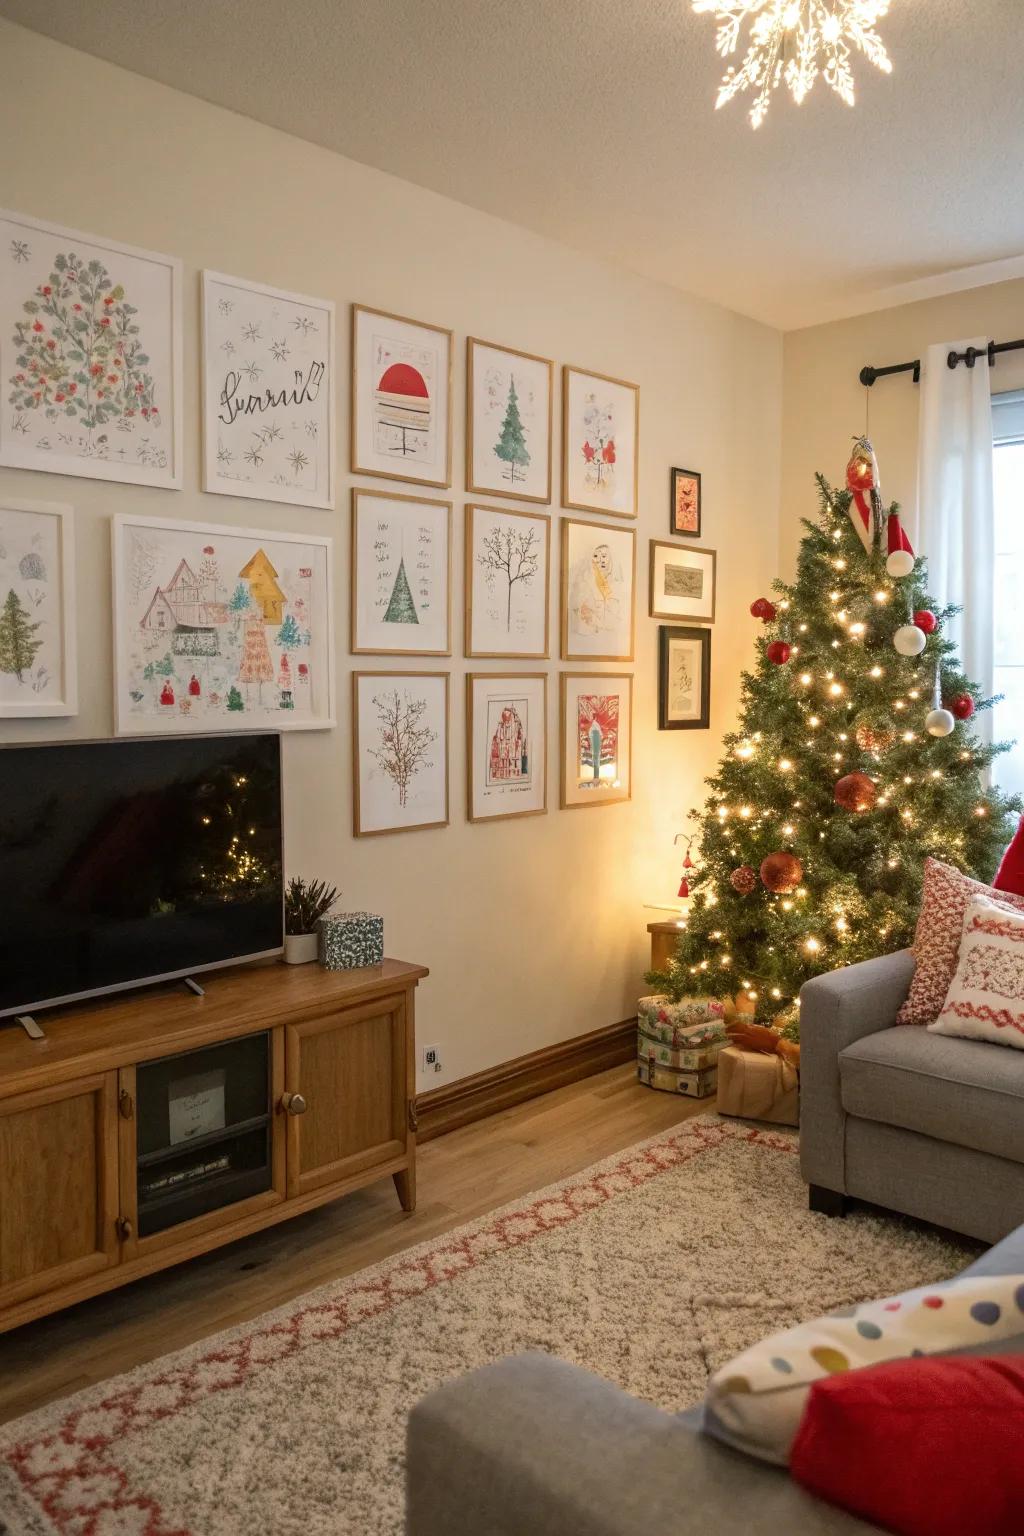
{"x": 651, "y": 1268}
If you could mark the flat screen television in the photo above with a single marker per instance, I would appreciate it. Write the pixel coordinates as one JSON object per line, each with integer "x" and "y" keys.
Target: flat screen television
{"x": 125, "y": 862}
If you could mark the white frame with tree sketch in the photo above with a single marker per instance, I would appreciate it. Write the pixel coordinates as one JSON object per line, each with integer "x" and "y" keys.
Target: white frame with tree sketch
{"x": 399, "y": 786}
{"x": 44, "y": 591}
{"x": 508, "y": 424}
{"x": 512, "y": 787}
{"x": 598, "y": 624}
{"x": 507, "y": 583}
{"x": 424, "y": 569}
{"x": 427, "y": 350}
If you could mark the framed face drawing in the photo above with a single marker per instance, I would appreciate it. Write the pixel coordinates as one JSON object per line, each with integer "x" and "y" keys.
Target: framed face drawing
{"x": 597, "y": 738}
{"x": 506, "y": 744}
{"x": 401, "y": 575}
{"x": 598, "y": 570}
{"x": 90, "y": 355}
{"x": 600, "y": 443}
{"x": 508, "y": 422}
{"x": 507, "y": 563}
{"x": 268, "y": 393}
{"x": 401, "y": 398}
{"x": 682, "y": 582}
{"x": 684, "y": 679}
{"x": 220, "y": 629}
{"x": 685, "y": 507}
{"x": 400, "y": 751}
{"x": 38, "y": 676}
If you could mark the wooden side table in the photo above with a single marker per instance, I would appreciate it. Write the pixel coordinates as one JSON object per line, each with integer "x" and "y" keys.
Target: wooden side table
{"x": 664, "y": 938}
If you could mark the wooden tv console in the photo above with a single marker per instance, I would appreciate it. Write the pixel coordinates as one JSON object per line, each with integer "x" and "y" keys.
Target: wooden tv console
{"x": 338, "y": 1113}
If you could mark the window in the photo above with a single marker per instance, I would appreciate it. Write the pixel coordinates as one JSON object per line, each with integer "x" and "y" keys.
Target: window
{"x": 1008, "y": 716}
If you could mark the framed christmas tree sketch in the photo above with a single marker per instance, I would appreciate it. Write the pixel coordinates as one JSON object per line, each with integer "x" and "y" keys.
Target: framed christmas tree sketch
{"x": 400, "y": 751}
{"x": 597, "y": 739}
{"x": 90, "y": 355}
{"x": 598, "y": 591}
{"x": 600, "y": 443}
{"x": 220, "y": 629}
{"x": 401, "y": 398}
{"x": 38, "y": 676}
{"x": 506, "y": 744}
{"x": 401, "y": 575}
{"x": 508, "y": 559}
{"x": 268, "y": 393}
{"x": 508, "y": 422}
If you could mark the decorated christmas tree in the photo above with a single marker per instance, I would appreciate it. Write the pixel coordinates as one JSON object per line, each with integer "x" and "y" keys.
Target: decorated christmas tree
{"x": 853, "y": 761}
{"x": 511, "y": 445}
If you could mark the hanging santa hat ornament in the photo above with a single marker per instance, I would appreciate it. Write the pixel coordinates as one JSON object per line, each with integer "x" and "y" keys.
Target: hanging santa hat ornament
{"x": 938, "y": 721}
{"x": 900, "y": 552}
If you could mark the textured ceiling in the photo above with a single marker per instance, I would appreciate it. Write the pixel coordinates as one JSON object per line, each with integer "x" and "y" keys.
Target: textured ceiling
{"x": 592, "y": 121}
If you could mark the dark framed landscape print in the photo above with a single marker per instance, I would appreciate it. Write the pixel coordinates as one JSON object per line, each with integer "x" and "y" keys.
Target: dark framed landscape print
{"x": 684, "y": 508}
{"x": 684, "y": 678}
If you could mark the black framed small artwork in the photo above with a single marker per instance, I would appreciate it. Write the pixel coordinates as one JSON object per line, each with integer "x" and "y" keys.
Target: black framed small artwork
{"x": 684, "y": 514}
{"x": 684, "y": 678}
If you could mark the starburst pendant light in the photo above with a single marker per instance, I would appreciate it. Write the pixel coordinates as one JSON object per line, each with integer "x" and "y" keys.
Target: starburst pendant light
{"x": 793, "y": 42}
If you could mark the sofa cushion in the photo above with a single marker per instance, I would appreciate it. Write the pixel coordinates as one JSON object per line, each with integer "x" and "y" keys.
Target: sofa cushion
{"x": 985, "y": 1000}
{"x": 944, "y": 898}
{"x": 963, "y": 1091}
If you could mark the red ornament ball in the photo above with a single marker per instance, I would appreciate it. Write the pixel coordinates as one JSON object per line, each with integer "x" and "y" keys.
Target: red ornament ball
{"x": 926, "y": 620}
{"x": 743, "y": 879}
{"x": 761, "y": 608}
{"x": 778, "y": 652}
{"x": 781, "y": 872}
{"x": 962, "y": 706}
{"x": 855, "y": 792}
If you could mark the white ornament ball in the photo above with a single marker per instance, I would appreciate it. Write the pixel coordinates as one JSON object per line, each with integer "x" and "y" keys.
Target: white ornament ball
{"x": 939, "y": 722}
{"x": 900, "y": 563}
{"x": 909, "y": 640}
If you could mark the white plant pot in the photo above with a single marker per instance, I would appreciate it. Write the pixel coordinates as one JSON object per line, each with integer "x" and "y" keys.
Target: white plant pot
{"x": 299, "y": 948}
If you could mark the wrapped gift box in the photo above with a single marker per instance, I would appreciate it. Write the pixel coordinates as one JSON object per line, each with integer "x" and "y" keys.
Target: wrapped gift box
{"x": 686, "y": 1025}
{"x": 695, "y": 1085}
{"x": 349, "y": 940}
{"x": 754, "y": 1086}
{"x": 682, "y": 1058}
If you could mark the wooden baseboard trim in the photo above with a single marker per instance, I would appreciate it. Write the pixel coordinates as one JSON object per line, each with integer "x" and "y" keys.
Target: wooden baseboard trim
{"x": 485, "y": 1093}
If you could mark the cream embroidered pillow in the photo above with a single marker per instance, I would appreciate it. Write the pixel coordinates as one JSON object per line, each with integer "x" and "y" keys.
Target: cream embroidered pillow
{"x": 985, "y": 1000}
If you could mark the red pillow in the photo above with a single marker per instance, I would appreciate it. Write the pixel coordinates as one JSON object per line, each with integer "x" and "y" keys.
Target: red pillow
{"x": 925, "y": 1447}
{"x": 1010, "y": 874}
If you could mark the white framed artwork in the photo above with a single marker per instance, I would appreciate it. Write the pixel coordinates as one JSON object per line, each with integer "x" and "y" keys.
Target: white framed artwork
{"x": 90, "y": 355}
{"x": 506, "y": 744}
{"x": 682, "y": 582}
{"x": 268, "y": 393}
{"x": 598, "y": 591}
{"x": 400, "y": 751}
{"x": 507, "y": 579}
{"x": 600, "y": 442}
{"x": 220, "y": 628}
{"x": 508, "y": 422}
{"x": 38, "y": 674}
{"x": 401, "y": 574}
{"x": 401, "y": 398}
{"x": 597, "y": 739}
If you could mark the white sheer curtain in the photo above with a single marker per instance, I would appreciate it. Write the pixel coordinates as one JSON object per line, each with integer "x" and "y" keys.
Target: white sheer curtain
{"x": 955, "y": 516}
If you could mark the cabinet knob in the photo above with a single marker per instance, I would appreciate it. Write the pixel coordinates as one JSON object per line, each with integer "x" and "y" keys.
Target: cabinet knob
{"x": 293, "y": 1103}
{"x": 124, "y": 1228}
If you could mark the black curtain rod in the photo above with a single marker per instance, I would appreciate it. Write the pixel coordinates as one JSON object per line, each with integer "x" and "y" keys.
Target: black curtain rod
{"x": 868, "y": 375}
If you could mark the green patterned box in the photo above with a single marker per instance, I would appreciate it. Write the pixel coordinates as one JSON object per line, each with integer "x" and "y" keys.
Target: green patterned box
{"x": 683, "y": 1026}
{"x": 350, "y": 940}
{"x": 682, "y": 1059}
{"x": 693, "y": 1085}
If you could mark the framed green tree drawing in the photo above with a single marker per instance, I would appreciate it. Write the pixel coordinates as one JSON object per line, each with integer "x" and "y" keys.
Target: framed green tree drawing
{"x": 508, "y": 422}
{"x": 401, "y": 574}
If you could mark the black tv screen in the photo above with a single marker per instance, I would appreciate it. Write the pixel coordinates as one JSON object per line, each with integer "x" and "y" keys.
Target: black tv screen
{"x": 130, "y": 861}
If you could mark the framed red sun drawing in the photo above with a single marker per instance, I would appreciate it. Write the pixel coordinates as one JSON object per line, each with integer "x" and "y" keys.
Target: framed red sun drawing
{"x": 401, "y": 398}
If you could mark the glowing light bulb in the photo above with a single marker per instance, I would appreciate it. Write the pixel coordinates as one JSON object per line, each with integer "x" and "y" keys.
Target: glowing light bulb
{"x": 788, "y": 831}
{"x": 892, "y": 863}
{"x": 876, "y": 672}
{"x": 840, "y": 564}
{"x": 814, "y": 722}
{"x": 787, "y": 906}
{"x": 746, "y": 812}
{"x": 841, "y": 925}
{"x": 812, "y": 945}
{"x": 899, "y": 704}
{"x": 785, "y": 766}
{"x": 803, "y": 629}
{"x": 858, "y": 628}
{"x": 835, "y": 689}
{"x": 981, "y": 810}
{"x": 805, "y": 678}
{"x": 881, "y": 597}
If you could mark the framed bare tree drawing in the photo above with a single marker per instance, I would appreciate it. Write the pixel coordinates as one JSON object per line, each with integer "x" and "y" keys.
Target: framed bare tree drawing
{"x": 508, "y": 560}
{"x": 400, "y": 751}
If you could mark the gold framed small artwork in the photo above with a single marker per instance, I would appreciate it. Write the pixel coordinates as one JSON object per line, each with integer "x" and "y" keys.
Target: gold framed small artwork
{"x": 598, "y": 591}
{"x": 401, "y": 427}
{"x": 508, "y": 422}
{"x": 401, "y": 575}
{"x": 399, "y": 751}
{"x": 507, "y": 582}
{"x": 600, "y": 442}
{"x": 682, "y": 582}
{"x": 506, "y": 745}
{"x": 596, "y": 739}
{"x": 685, "y": 505}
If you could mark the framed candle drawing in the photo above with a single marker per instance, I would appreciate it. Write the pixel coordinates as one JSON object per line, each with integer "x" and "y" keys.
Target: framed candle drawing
{"x": 596, "y": 739}
{"x": 401, "y": 398}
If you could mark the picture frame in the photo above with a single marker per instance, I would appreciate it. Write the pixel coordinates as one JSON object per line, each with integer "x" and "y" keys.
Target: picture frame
{"x": 600, "y": 442}
{"x": 218, "y": 628}
{"x": 268, "y": 388}
{"x": 104, "y": 320}
{"x": 401, "y": 596}
{"x": 37, "y": 593}
{"x": 684, "y": 678}
{"x": 402, "y": 431}
{"x": 507, "y": 578}
{"x": 509, "y": 411}
{"x": 399, "y": 789}
{"x": 682, "y": 582}
{"x": 685, "y": 508}
{"x": 596, "y": 769}
{"x": 598, "y": 591}
{"x": 506, "y": 745}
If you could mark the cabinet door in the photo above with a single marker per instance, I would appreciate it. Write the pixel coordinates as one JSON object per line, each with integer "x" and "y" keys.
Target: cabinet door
{"x": 345, "y": 1096}
{"x": 58, "y": 1186}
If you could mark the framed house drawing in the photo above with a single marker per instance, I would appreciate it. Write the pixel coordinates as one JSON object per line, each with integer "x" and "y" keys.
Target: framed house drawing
{"x": 600, "y": 443}
{"x": 220, "y": 628}
{"x": 596, "y": 739}
{"x": 38, "y": 672}
{"x": 400, "y": 751}
{"x": 598, "y": 591}
{"x": 90, "y": 355}
{"x": 401, "y": 574}
{"x": 401, "y": 398}
{"x": 506, "y": 744}
{"x": 508, "y": 422}
{"x": 684, "y": 679}
{"x": 508, "y": 560}
{"x": 685, "y": 504}
{"x": 682, "y": 582}
{"x": 268, "y": 393}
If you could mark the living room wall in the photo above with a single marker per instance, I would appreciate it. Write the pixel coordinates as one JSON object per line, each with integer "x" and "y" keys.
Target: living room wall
{"x": 534, "y": 930}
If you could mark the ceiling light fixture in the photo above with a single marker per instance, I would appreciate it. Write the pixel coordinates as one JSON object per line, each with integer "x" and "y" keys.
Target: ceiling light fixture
{"x": 792, "y": 42}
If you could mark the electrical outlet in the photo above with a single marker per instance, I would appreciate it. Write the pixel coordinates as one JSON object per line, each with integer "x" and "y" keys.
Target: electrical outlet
{"x": 431, "y": 1058}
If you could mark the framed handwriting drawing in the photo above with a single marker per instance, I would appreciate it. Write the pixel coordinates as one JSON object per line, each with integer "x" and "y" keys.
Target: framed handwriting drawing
{"x": 401, "y": 575}
{"x": 682, "y": 582}
{"x": 38, "y": 676}
{"x": 506, "y": 744}
{"x": 508, "y": 557}
{"x": 598, "y": 591}
{"x": 400, "y": 751}
{"x": 268, "y": 393}
{"x": 401, "y": 398}
{"x": 600, "y": 443}
{"x": 685, "y": 506}
{"x": 684, "y": 679}
{"x": 508, "y": 422}
{"x": 597, "y": 738}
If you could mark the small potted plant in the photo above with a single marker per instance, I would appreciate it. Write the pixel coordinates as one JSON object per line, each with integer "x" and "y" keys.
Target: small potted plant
{"x": 305, "y": 903}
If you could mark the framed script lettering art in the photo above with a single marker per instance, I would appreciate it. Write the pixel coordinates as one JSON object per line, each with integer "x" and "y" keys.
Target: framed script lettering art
{"x": 268, "y": 393}
{"x": 600, "y": 443}
{"x": 507, "y": 562}
{"x": 598, "y": 589}
{"x": 90, "y": 355}
{"x": 508, "y": 422}
{"x": 685, "y": 513}
{"x": 682, "y": 582}
{"x": 401, "y": 398}
{"x": 506, "y": 744}
{"x": 684, "y": 679}
{"x": 38, "y": 675}
{"x": 400, "y": 751}
{"x": 597, "y": 738}
{"x": 401, "y": 570}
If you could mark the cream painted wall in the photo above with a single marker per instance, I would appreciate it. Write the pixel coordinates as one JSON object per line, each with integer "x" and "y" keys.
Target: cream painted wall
{"x": 534, "y": 930}
{"x": 824, "y": 401}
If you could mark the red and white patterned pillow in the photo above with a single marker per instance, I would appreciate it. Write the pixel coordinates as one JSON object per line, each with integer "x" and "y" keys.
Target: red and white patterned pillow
{"x": 944, "y": 900}
{"x": 985, "y": 1000}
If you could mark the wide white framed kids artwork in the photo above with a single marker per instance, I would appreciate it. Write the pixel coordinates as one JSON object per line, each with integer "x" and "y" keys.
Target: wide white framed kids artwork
{"x": 38, "y": 669}
{"x": 401, "y": 398}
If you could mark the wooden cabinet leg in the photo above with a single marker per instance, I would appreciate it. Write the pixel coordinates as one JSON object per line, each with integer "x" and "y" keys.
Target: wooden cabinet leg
{"x": 405, "y": 1183}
